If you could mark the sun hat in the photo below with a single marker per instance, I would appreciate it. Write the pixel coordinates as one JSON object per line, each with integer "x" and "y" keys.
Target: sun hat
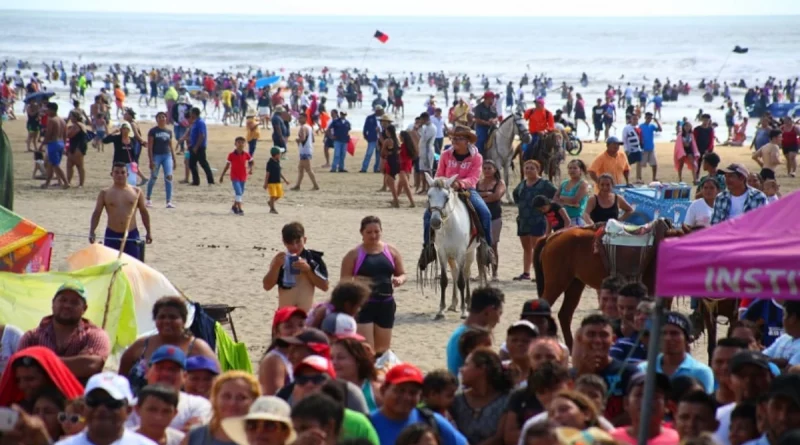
{"x": 464, "y": 132}
{"x": 117, "y": 386}
{"x": 340, "y": 325}
{"x": 72, "y": 286}
{"x": 279, "y": 109}
{"x": 168, "y": 353}
{"x": 386, "y": 118}
{"x": 263, "y": 408}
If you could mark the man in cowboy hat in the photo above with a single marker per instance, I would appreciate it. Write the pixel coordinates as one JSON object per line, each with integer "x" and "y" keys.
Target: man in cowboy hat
{"x": 485, "y": 119}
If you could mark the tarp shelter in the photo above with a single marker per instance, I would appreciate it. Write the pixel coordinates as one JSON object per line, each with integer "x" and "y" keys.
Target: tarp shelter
{"x": 756, "y": 255}
{"x": 26, "y": 298}
{"x": 147, "y": 284}
{"x": 24, "y": 246}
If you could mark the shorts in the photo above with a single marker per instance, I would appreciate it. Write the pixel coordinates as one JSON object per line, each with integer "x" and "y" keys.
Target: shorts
{"x": 132, "y": 244}
{"x": 305, "y": 157}
{"x": 598, "y": 125}
{"x": 787, "y": 150}
{"x": 634, "y": 157}
{"x": 99, "y": 135}
{"x": 32, "y": 126}
{"x": 649, "y": 158}
{"x": 263, "y": 111}
{"x": 766, "y": 173}
{"x": 55, "y": 150}
{"x": 379, "y": 311}
{"x": 497, "y": 226}
{"x": 527, "y": 228}
{"x": 251, "y": 147}
{"x": 227, "y": 108}
{"x": 275, "y": 190}
{"x": 187, "y": 154}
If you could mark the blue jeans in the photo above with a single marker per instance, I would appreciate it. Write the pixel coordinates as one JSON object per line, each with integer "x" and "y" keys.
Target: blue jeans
{"x": 483, "y": 135}
{"x": 370, "y": 151}
{"x": 483, "y": 215}
{"x": 162, "y": 160}
{"x": 179, "y": 132}
{"x": 339, "y": 152}
{"x": 238, "y": 190}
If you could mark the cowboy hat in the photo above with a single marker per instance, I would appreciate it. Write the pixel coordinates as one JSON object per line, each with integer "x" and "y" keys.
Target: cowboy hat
{"x": 464, "y": 132}
{"x": 264, "y": 408}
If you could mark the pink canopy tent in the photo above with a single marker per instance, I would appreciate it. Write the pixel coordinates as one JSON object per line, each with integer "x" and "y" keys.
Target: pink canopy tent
{"x": 756, "y": 255}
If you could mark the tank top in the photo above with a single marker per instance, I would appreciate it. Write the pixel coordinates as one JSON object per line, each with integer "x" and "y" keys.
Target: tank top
{"x": 494, "y": 207}
{"x": 789, "y": 138}
{"x": 366, "y": 389}
{"x": 286, "y": 363}
{"x": 305, "y": 147}
{"x": 573, "y": 211}
{"x": 603, "y": 214}
{"x": 379, "y": 268}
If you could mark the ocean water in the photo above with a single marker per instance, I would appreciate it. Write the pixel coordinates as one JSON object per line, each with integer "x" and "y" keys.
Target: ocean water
{"x": 641, "y": 49}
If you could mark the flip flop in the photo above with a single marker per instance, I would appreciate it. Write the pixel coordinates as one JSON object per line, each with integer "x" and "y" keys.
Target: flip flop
{"x": 523, "y": 277}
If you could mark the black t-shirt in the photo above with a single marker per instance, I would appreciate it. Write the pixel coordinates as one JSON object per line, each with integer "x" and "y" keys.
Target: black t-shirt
{"x": 597, "y": 113}
{"x": 122, "y": 152}
{"x": 484, "y": 112}
{"x": 264, "y": 101}
{"x": 273, "y": 171}
{"x": 524, "y": 404}
{"x": 703, "y": 137}
{"x": 554, "y": 217}
{"x": 161, "y": 138}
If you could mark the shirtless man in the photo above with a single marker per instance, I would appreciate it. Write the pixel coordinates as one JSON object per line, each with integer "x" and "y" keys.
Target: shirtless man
{"x": 54, "y": 135}
{"x": 119, "y": 201}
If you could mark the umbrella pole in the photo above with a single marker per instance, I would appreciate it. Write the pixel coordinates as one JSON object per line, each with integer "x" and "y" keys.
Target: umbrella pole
{"x": 650, "y": 380}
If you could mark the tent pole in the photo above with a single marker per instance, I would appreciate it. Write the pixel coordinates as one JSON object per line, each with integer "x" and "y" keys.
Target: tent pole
{"x": 650, "y": 380}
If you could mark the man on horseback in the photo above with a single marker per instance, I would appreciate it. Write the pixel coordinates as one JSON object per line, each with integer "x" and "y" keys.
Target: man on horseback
{"x": 540, "y": 121}
{"x": 464, "y": 161}
{"x": 485, "y": 120}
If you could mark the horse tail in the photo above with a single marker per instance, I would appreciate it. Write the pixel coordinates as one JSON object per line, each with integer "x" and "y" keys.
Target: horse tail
{"x": 538, "y": 270}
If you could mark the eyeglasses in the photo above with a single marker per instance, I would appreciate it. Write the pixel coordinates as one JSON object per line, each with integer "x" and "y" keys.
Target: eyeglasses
{"x": 69, "y": 418}
{"x": 316, "y": 379}
{"x": 458, "y": 138}
{"x": 268, "y": 426}
{"x": 108, "y": 402}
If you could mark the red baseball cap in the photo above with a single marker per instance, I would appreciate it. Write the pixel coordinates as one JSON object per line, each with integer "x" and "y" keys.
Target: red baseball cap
{"x": 283, "y": 315}
{"x": 489, "y": 95}
{"x": 317, "y": 363}
{"x": 404, "y": 373}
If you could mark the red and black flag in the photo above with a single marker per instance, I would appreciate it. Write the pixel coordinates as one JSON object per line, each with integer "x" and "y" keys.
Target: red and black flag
{"x": 381, "y": 36}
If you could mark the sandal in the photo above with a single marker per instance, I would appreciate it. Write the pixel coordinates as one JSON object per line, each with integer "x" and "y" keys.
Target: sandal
{"x": 523, "y": 277}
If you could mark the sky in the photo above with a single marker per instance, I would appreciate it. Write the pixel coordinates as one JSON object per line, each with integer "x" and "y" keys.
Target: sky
{"x": 428, "y": 8}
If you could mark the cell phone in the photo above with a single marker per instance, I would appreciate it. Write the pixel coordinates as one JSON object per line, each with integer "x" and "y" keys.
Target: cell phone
{"x": 8, "y": 419}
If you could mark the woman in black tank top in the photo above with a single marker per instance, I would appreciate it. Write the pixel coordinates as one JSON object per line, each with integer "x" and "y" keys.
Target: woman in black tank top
{"x": 492, "y": 188}
{"x": 606, "y": 204}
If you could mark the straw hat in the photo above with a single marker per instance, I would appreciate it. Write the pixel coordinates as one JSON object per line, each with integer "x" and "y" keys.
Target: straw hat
{"x": 386, "y": 118}
{"x": 464, "y": 132}
{"x": 264, "y": 408}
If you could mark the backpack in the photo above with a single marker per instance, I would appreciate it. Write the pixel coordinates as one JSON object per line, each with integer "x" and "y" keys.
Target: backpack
{"x": 430, "y": 419}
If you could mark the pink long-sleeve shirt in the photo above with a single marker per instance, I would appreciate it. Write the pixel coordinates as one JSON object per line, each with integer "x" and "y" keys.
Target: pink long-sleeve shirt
{"x": 468, "y": 171}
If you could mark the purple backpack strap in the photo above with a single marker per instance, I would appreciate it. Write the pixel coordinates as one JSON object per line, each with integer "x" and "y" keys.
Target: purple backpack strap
{"x": 362, "y": 255}
{"x": 388, "y": 253}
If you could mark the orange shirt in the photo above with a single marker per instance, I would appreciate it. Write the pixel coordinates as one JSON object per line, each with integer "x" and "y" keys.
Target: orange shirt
{"x": 615, "y": 166}
{"x": 539, "y": 120}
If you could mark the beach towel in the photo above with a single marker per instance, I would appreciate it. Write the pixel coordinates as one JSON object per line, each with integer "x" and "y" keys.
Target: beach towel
{"x": 204, "y": 326}
{"x": 231, "y": 355}
{"x": 6, "y": 171}
{"x": 679, "y": 154}
{"x": 59, "y": 374}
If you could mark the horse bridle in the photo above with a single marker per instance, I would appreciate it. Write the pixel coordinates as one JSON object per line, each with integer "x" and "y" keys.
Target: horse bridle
{"x": 441, "y": 209}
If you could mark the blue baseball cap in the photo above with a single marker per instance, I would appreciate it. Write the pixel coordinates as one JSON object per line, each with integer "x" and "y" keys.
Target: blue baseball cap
{"x": 201, "y": 363}
{"x": 168, "y": 353}
{"x": 613, "y": 140}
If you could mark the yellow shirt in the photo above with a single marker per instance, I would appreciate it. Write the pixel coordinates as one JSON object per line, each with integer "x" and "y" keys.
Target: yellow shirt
{"x": 461, "y": 112}
{"x": 226, "y": 97}
{"x": 615, "y": 166}
{"x": 255, "y": 133}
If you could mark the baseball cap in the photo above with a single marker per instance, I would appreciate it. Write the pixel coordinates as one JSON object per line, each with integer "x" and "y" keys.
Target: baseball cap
{"x": 539, "y": 100}
{"x": 340, "y": 325}
{"x": 317, "y": 363}
{"x": 662, "y": 382}
{"x": 283, "y": 315}
{"x": 72, "y": 286}
{"x": 536, "y": 307}
{"x": 525, "y": 325}
{"x": 115, "y": 385}
{"x": 343, "y": 112}
{"x": 737, "y": 168}
{"x": 404, "y": 373}
{"x": 168, "y": 353}
{"x": 312, "y": 338}
{"x": 786, "y": 386}
{"x": 489, "y": 95}
{"x": 613, "y": 140}
{"x": 274, "y": 151}
{"x": 743, "y": 358}
{"x": 201, "y": 363}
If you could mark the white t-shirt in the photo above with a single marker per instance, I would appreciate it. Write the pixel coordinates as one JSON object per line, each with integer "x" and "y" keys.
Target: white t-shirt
{"x": 128, "y": 438}
{"x": 438, "y": 123}
{"x": 698, "y": 214}
{"x": 189, "y": 406}
{"x": 737, "y": 205}
{"x": 785, "y": 347}
{"x": 8, "y": 344}
{"x": 174, "y": 437}
{"x": 724, "y": 419}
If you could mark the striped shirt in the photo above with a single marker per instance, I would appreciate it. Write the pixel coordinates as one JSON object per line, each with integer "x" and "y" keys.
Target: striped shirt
{"x": 86, "y": 339}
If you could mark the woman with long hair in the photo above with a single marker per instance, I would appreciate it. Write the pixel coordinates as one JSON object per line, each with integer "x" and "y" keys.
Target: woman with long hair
{"x": 275, "y": 369}
{"x": 77, "y": 134}
{"x": 492, "y": 189}
{"x": 408, "y": 152}
{"x": 531, "y": 223}
{"x": 573, "y": 193}
{"x": 606, "y": 204}
{"x": 580, "y": 112}
{"x": 686, "y": 152}
{"x": 790, "y": 132}
{"x": 170, "y": 315}
{"x": 381, "y": 265}
{"x": 354, "y": 362}
{"x": 231, "y": 396}
{"x": 573, "y": 409}
{"x": 390, "y": 148}
{"x": 477, "y": 410}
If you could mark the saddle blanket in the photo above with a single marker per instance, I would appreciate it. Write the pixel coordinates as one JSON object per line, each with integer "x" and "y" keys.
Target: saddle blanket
{"x": 617, "y": 233}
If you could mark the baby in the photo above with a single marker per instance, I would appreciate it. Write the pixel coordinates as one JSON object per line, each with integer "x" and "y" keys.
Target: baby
{"x": 72, "y": 420}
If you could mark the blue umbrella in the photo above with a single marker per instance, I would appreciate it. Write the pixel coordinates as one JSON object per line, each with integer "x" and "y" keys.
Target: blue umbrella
{"x": 267, "y": 81}
{"x": 39, "y": 96}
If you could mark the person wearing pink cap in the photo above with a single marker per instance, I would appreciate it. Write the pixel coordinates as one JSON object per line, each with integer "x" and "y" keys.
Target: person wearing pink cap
{"x": 401, "y": 392}
{"x": 485, "y": 114}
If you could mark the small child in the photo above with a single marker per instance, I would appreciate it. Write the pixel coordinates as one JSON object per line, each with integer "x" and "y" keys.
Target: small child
{"x": 438, "y": 391}
{"x": 743, "y": 424}
{"x": 556, "y": 216}
{"x": 72, "y": 420}
{"x": 38, "y": 166}
{"x": 238, "y": 163}
{"x": 252, "y": 135}
{"x": 100, "y": 131}
{"x": 347, "y": 297}
{"x": 772, "y": 190}
{"x": 272, "y": 182}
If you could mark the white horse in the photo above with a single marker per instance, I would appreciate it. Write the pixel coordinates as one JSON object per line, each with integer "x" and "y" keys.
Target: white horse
{"x": 450, "y": 223}
{"x": 502, "y": 152}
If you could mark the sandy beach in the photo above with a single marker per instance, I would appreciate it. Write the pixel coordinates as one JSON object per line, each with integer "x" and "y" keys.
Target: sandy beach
{"x": 217, "y": 257}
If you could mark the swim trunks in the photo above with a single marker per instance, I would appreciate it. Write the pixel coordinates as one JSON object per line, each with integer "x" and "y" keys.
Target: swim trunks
{"x": 55, "y": 150}
{"x": 132, "y": 244}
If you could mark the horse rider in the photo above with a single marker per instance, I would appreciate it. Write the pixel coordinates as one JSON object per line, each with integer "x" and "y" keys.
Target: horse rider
{"x": 485, "y": 114}
{"x": 463, "y": 160}
{"x": 540, "y": 121}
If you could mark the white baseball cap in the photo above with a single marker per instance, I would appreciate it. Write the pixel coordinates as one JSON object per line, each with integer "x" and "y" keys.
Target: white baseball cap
{"x": 340, "y": 325}
{"x": 115, "y": 385}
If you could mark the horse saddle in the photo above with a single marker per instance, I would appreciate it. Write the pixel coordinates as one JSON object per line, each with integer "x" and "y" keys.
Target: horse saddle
{"x": 475, "y": 227}
{"x": 489, "y": 140}
{"x": 627, "y": 250}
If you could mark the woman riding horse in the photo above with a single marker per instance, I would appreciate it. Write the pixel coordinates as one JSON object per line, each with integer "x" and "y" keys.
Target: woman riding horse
{"x": 464, "y": 162}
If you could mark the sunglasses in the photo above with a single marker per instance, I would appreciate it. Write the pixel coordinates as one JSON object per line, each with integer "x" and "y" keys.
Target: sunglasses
{"x": 69, "y": 418}
{"x": 108, "y": 402}
{"x": 268, "y": 426}
{"x": 316, "y": 379}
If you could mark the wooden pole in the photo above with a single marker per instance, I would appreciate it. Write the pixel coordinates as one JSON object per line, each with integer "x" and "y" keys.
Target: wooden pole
{"x": 119, "y": 255}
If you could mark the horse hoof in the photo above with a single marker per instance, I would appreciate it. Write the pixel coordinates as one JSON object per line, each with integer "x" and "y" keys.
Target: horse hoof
{"x": 463, "y": 316}
{"x": 439, "y": 316}
{"x": 452, "y": 309}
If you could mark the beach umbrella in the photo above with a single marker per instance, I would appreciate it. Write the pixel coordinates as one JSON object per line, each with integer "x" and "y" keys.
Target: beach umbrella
{"x": 39, "y": 96}
{"x": 267, "y": 81}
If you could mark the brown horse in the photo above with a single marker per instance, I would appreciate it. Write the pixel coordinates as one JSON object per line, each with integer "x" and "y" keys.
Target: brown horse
{"x": 548, "y": 153}
{"x": 708, "y": 310}
{"x": 567, "y": 262}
